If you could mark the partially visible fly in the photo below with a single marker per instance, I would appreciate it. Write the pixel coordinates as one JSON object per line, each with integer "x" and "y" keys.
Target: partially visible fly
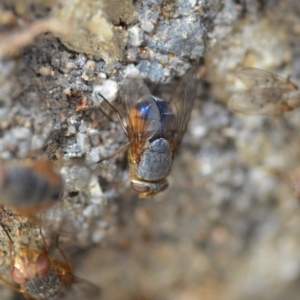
{"x": 268, "y": 93}
{"x": 42, "y": 277}
{"x": 155, "y": 128}
{"x": 28, "y": 188}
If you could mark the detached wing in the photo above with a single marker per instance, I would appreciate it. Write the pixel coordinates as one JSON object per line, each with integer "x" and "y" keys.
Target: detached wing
{"x": 267, "y": 93}
{"x": 261, "y": 79}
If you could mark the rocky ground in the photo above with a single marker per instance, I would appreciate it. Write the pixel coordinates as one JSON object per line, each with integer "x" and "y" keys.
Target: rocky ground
{"x": 228, "y": 225}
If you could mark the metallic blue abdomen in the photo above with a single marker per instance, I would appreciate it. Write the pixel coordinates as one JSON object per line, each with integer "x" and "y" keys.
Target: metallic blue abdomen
{"x": 157, "y": 116}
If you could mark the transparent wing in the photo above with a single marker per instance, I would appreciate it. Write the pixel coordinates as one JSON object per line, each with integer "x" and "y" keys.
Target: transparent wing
{"x": 82, "y": 289}
{"x": 261, "y": 79}
{"x": 181, "y": 103}
{"x": 249, "y": 104}
{"x": 141, "y": 115}
{"x": 132, "y": 90}
{"x": 267, "y": 93}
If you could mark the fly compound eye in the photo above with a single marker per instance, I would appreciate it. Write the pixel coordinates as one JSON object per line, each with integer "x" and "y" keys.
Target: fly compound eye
{"x": 140, "y": 187}
{"x": 42, "y": 265}
{"x": 31, "y": 268}
{"x": 164, "y": 186}
{"x": 148, "y": 189}
{"x": 17, "y": 276}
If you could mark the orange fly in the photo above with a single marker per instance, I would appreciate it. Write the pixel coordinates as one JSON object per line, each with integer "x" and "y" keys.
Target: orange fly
{"x": 30, "y": 187}
{"x": 42, "y": 277}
